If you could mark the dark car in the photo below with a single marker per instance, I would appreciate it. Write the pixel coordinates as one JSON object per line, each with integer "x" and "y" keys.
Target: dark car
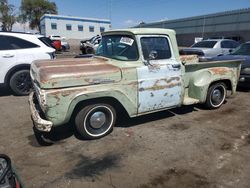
{"x": 242, "y": 52}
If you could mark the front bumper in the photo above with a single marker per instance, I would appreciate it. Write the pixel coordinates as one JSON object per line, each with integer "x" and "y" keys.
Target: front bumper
{"x": 39, "y": 123}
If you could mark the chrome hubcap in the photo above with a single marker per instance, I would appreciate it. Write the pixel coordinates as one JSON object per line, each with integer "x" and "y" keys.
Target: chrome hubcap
{"x": 216, "y": 96}
{"x": 97, "y": 120}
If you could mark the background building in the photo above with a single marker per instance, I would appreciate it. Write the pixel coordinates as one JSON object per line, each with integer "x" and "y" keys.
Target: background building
{"x": 231, "y": 24}
{"x": 73, "y": 27}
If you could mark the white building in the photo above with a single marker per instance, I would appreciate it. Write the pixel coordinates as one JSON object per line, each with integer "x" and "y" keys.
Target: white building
{"x": 73, "y": 27}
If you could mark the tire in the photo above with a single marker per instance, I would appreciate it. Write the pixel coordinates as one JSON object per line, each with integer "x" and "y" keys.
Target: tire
{"x": 95, "y": 121}
{"x": 20, "y": 82}
{"x": 41, "y": 138}
{"x": 89, "y": 51}
{"x": 63, "y": 48}
{"x": 216, "y": 95}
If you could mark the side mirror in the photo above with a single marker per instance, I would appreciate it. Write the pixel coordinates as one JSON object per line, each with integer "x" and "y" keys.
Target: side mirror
{"x": 152, "y": 55}
{"x": 230, "y": 51}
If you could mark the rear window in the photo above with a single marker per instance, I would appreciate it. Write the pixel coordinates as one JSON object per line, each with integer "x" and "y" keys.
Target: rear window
{"x": 229, "y": 44}
{"x": 204, "y": 44}
{"x": 46, "y": 41}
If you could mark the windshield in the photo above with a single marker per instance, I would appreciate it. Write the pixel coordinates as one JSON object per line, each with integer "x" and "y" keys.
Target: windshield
{"x": 204, "y": 44}
{"x": 243, "y": 49}
{"x": 120, "y": 47}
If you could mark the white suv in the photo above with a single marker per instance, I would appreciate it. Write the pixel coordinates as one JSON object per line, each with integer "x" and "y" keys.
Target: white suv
{"x": 17, "y": 51}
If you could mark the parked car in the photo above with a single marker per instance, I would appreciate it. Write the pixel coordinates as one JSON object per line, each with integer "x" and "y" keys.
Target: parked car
{"x": 210, "y": 47}
{"x": 64, "y": 44}
{"x": 242, "y": 52}
{"x": 90, "y": 46}
{"x": 57, "y": 45}
{"x": 17, "y": 51}
{"x": 138, "y": 71}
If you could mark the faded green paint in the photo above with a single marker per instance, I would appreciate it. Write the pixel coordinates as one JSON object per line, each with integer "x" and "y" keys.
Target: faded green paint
{"x": 65, "y": 83}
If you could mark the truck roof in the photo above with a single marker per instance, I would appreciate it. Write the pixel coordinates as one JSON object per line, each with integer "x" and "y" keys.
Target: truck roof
{"x": 142, "y": 31}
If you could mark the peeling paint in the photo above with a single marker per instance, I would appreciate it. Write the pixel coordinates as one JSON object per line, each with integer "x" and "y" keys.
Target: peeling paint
{"x": 220, "y": 70}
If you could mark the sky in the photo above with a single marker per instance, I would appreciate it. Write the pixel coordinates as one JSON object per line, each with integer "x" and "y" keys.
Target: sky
{"x": 127, "y": 13}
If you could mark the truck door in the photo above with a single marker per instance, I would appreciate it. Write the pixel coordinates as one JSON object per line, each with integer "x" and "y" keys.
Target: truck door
{"x": 160, "y": 82}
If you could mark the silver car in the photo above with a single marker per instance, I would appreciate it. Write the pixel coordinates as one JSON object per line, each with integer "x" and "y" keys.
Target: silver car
{"x": 211, "y": 48}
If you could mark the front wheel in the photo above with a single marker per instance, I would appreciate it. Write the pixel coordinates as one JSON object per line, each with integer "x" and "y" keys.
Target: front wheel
{"x": 95, "y": 121}
{"x": 216, "y": 95}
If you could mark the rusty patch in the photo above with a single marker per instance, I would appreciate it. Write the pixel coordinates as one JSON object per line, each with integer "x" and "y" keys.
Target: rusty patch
{"x": 189, "y": 58}
{"x": 156, "y": 87}
{"x": 50, "y": 73}
{"x": 219, "y": 70}
{"x": 68, "y": 61}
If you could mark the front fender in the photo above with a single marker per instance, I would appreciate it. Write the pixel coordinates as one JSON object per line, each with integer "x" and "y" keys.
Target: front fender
{"x": 65, "y": 101}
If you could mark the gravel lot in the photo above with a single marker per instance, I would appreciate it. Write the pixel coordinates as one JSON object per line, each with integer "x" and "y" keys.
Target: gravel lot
{"x": 184, "y": 147}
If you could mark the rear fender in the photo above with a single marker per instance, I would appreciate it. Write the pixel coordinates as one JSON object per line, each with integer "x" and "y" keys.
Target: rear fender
{"x": 202, "y": 79}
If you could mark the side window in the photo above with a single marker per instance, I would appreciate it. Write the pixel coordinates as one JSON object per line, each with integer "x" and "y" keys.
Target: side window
{"x": 17, "y": 43}
{"x": 91, "y": 28}
{"x": 102, "y": 29}
{"x": 80, "y": 27}
{"x": 5, "y": 45}
{"x": 68, "y": 27}
{"x": 53, "y": 26}
{"x": 229, "y": 44}
{"x": 158, "y": 44}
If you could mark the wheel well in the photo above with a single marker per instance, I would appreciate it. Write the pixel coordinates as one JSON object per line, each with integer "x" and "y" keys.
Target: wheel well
{"x": 13, "y": 70}
{"x": 107, "y": 100}
{"x": 226, "y": 82}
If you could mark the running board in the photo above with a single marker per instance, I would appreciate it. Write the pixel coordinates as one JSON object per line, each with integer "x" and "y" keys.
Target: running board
{"x": 189, "y": 101}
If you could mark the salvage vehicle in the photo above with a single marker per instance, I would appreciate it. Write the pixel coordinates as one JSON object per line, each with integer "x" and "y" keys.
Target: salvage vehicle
{"x": 242, "y": 52}
{"x": 138, "y": 71}
{"x": 90, "y": 46}
{"x": 211, "y": 47}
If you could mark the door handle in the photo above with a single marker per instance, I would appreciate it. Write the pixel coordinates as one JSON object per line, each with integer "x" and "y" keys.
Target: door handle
{"x": 8, "y": 55}
{"x": 176, "y": 66}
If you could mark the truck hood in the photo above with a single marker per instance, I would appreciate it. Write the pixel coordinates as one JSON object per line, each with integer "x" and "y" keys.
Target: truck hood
{"x": 74, "y": 72}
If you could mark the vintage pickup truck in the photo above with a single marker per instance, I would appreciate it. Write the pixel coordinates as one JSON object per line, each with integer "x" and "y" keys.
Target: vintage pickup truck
{"x": 135, "y": 70}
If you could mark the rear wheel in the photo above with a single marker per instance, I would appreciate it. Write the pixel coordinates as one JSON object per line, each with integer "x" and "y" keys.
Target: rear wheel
{"x": 95, "y": 121}
{"x": 20, "y": 82}
{"x": 216, "y": 95}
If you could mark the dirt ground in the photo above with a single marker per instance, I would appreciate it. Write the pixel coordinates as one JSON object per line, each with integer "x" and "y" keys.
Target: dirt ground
{"x": 185, "y": 147}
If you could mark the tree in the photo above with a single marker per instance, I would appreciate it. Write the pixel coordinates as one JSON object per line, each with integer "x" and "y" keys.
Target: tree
{"x": 33, "y": 10}
{"x": 7, "y": 15}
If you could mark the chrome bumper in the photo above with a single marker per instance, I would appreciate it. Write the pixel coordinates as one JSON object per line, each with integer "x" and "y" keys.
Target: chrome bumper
{"x": 39, "y": 123}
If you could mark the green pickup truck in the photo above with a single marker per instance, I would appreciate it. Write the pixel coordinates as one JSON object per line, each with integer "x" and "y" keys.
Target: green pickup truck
{"x": 135, "y": 70}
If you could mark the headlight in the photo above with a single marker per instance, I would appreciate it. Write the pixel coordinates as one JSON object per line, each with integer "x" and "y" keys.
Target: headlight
{"x": 41, "y": 97}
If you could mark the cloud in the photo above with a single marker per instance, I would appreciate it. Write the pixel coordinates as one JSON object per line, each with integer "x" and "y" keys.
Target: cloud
{"x": 130, "y": 23}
